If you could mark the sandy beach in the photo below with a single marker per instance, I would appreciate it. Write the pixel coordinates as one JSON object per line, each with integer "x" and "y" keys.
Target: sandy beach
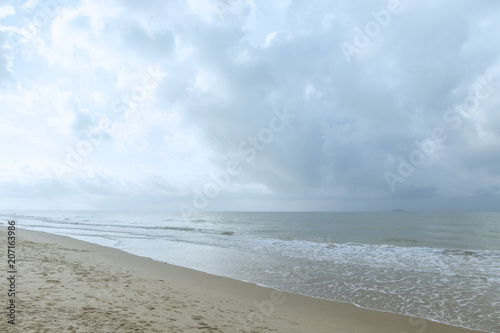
{"x": 67, "y": 285}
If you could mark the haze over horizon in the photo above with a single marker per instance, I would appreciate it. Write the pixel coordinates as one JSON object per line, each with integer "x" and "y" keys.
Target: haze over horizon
{"x": 252, "y": 105}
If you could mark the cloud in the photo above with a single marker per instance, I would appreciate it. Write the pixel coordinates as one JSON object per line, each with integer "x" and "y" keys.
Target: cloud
{"x": 6, "y": 10}
{"x": 82, "y": 85}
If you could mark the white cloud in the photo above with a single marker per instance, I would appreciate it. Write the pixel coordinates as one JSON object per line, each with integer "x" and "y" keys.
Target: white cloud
{"x": 270, "y": 38}
{"x": 229, "y": 65}
{"x": 31, "y": 3}
{"x": 6, "y": 10}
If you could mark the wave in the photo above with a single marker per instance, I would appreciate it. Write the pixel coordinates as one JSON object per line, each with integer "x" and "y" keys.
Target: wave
{"x": 103, "y": 228}
{"x": 393, "y": 269}
{"x": 400, "y": 241}
{"x": 472, "y": 253}
{"x": 443, "y": 261}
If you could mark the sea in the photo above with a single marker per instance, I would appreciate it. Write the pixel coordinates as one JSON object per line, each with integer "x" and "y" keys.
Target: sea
{"x": 439, "y": 266}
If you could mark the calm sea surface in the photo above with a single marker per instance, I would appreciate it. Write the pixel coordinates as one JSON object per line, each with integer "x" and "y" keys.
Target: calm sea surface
{"x": 440, "y": 266}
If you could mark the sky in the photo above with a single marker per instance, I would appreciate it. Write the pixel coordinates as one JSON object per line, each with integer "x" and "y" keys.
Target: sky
{"x": 250, "y": 105}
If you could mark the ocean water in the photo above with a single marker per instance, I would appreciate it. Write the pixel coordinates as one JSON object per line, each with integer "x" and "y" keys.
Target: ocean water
{"x": 439, "y": 266}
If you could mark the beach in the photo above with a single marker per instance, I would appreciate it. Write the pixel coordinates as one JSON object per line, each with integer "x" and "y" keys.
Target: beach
{"x": 250, "y": 166}
{"x": 67, "y": 285}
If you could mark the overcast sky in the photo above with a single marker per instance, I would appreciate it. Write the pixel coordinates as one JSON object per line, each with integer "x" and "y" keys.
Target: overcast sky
{"x": 250, "y": 105}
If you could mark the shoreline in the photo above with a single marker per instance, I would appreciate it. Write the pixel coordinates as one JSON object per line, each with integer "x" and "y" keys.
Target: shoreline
{"x": 69, "y": 284}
